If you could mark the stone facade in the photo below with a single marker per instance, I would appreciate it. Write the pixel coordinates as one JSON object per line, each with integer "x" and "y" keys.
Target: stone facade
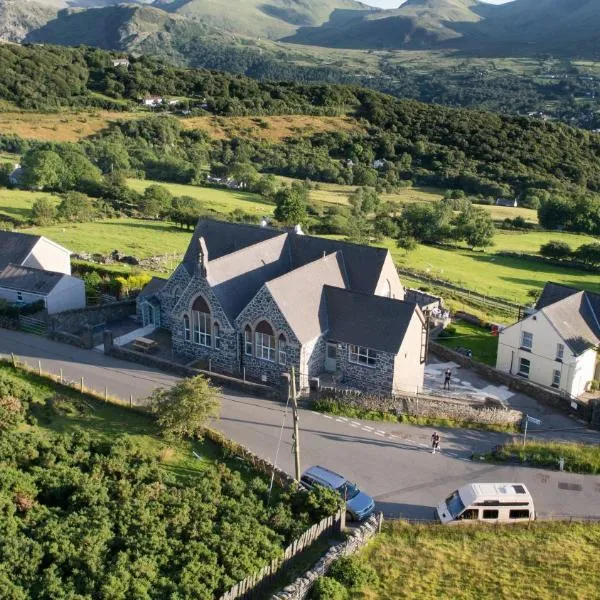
{"x": 377, "y": 379}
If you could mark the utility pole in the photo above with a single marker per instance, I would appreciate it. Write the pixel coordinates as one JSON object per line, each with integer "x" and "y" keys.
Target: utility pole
{"x": 296, "y": 438}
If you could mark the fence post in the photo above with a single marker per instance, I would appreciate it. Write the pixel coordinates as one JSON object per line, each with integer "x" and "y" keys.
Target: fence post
{"x": 82, "y": 385}
{"x": 130, "y": 400}
{"x": 14, "y": 359}
{"x": 380, "y": 522}
{"x": 105, "y": 393}
{"x": 40, "y": 367}
{"x": 61, "y": 376}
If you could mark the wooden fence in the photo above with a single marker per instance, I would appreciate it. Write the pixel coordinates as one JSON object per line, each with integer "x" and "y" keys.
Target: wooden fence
{"x": 253, "y": 587}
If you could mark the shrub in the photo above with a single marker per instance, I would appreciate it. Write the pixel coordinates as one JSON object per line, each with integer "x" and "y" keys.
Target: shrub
{"x": 327, "y": 588}
{"x": 556, "y": 249}
{"x": 352, "y": 573}
{"x": 11, "y": 412}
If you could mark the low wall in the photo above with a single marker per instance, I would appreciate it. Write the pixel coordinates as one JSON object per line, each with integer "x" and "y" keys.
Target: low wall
{"x": 516, "y": 384}
{"x": 73, "y": 321}
{"x": 64, "y": 337}
{"x": 357, "y": 539}
{"x": 427, "y": 406}
{"x": 247, "y": 387}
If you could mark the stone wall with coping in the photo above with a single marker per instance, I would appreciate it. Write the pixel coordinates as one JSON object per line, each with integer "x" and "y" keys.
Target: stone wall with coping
{"x": 518, "y": 385}
{"x": 75, "y": 321}
{"x": 301, "y": 587}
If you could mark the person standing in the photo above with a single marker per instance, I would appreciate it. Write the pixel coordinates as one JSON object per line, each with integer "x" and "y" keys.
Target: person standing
{"x": 447, "y": 379}
{"x": 435, "y": 442}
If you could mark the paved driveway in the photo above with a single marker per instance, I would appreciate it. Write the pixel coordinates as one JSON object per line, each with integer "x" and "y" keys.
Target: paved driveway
{"x": 390, "y": 461}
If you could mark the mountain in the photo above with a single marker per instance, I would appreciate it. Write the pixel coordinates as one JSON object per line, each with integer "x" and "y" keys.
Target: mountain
{"x": 18, "y": 17}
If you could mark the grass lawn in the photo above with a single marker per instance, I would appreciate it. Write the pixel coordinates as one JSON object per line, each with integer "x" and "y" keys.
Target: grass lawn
{"x": 17, "y": 203}
{"x": 543, "y": 561}
{"x": 579, "y": 458}
{"x": 530, "y": 241}
{"x": 222, "y": 201}
{"x": 480, "y": 341}
{"x": 77, "y": 412}
{"x": 130, "y": 236}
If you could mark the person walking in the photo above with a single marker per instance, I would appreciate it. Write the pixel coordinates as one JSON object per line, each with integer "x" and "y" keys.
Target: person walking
{"x": 435, "y": 442}
{"x": 447, "y": 378}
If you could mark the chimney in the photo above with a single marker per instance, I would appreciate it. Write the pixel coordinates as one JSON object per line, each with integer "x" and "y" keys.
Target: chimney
{"x": 202, "y": 258}
{"x": 298, "y": 229}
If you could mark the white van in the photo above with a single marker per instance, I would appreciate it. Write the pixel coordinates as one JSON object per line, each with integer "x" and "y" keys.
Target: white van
{"x": 488, "y": 502}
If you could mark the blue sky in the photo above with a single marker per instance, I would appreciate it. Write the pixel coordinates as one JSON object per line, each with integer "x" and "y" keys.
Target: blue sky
{"x": 396, "y": 3}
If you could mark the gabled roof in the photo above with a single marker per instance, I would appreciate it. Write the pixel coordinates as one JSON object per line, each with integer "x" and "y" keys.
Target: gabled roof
{"x": 553, "y": 292}
{"x": 152, "y": 287}
{"x": 16, "y": 247}
{"x": 371, "y": 321}
{"x": 576, "y": 318}
{"x": 28, "y": 279}
{"x": 300, "y": 295}
{"x": 235, "y": 278}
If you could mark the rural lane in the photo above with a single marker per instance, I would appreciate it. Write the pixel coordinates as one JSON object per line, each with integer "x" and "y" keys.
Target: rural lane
{"x": 391, "y": 462}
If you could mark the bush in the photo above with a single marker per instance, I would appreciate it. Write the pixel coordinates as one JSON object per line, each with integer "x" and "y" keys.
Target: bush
{"x": 327, "y": 588}
{"x": 11, "y": 412}
{"x": 352, "y": 573}
{"x": 556, "y": 249}
{"x": 450, "y": 331}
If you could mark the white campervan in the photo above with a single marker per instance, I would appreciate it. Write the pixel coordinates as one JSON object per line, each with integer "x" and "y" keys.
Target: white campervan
{"x": 488, "y": 502}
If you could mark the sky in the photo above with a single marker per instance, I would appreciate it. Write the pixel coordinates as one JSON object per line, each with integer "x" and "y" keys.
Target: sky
{"x": 396, "y": 3}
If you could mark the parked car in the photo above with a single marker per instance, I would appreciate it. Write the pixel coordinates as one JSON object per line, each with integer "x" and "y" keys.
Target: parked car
{"x": 359, "y": 505}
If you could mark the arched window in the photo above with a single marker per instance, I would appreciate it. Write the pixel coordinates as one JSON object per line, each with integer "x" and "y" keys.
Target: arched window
{"x": 186, "y": 328}
{"x": 217, "y": 334}
{"x": 201, "y": 322}
{"x": 248, "y": 340}
{"x": 388, "y": 288}
{"x": 265, "y": 342}
{"x": 282, "y": 350}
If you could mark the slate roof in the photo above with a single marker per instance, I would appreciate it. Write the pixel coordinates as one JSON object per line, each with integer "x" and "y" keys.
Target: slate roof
{"x": 576, "y": 319}
{"x": 372, "y": 321}
{"x": 153, "y": 287}
{"x": 15, "y": 247}
{"x": 553, "y": 292}
{"x": 300, "y": 295}
{"x": 28, "y": 279}
{"x": 236, "y": 278}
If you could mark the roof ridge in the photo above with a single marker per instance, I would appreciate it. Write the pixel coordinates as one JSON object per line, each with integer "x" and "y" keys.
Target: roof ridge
{"x": 28, "y": 268}
{"x": 215, "y": 261}
{"x": 366, "y": 294}
{"x": 306, "y": 266}
{"x": 586, "y": 296}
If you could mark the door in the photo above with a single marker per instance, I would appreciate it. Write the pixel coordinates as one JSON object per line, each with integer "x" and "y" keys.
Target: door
{"x": 331, "y": 358}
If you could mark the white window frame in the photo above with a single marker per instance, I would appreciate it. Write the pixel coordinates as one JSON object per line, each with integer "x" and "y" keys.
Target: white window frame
{"x": 187, "y": 332}
{"x": 282, "y": 347}
{"x": 560, "y": 352}
{"x": 359, "y": 355}
{"x": 523, "y": 338}
{"x": 202, "y": 329}
{"x": 217, "y": 335}
{"x": 265, "y": 346}
{"x": 555, "y": 379}
{"x": 248, "y": 346}
{"x": 521, "y": 372}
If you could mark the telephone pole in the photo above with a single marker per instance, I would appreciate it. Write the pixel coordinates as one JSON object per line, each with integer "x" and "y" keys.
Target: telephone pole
{"x": 296, "y": 438}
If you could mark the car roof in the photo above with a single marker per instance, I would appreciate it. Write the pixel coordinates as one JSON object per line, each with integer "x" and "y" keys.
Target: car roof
{"x": 326, "y": 476}
{"x": 507, "y": 492}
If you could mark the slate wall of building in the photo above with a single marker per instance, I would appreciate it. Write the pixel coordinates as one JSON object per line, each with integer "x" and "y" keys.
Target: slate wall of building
{"x": 262, "y": 306}
{"x": 377, "y": 379}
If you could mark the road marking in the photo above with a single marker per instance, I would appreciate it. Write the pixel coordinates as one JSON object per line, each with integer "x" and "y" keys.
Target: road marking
{"x": 328, "y": 417}
{"x": 379, "y": 433}
{"x": 314, "y": 412}
{"x": 451, "y": 453}
{"x": 355, "y": 423}
{"x": 424, "y": 445}
{"x": 342, "y": 419}
{"x": 368, "y": 428}
{"x": 365, "y": 429}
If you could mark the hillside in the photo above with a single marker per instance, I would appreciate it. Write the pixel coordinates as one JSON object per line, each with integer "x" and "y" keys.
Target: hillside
{"x": 19, "y": 17}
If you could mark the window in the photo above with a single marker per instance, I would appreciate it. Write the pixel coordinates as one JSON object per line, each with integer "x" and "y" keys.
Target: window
{"x": 217, "y": 334}
{"x": 265, "y": 342}
{"x": 388, "y": 288}
{"x": 560, "y": 352}
{"x": 555, "y": 378}
{"x": 490, "y": 514}
{"x": 526, "y": 340}
{"x": 19, "y": 296}
{"x": 248, "y": 340}
{"x": 187, "y": 334}
{"x": 518, "y": 514}
{"x": 524, "y": 366}
{"x": 471, "y": 514}
{"x": 362, "y": 356}
{"x": 282, "y": 350}
{"x": 201, "y": 323}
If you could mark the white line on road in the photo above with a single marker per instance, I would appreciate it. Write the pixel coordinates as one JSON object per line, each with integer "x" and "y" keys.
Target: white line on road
{"x": 368, "y": 428}
{"x": 365, "y": 429}
{"x": 355, "y": 423}
{"x": 328, "y": 417}
{"x": 379, "y": 433}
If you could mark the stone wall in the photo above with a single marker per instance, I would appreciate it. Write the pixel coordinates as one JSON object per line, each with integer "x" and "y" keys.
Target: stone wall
{"x": 300, "y": 588}
{"x": 378, "y": 379}
{"x": 75, "y": 321}
{"x": 518, "y": 385}
{"x": 426, "y": 406}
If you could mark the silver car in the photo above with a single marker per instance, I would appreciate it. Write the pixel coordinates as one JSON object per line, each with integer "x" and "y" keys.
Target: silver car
{"x": 358, "y": 504}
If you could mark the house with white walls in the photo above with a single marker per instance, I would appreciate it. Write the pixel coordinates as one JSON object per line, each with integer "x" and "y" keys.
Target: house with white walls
{"x": 557, "y": 344}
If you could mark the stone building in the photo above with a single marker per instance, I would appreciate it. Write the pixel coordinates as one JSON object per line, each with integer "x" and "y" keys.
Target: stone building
{"x": 258, "y": 300}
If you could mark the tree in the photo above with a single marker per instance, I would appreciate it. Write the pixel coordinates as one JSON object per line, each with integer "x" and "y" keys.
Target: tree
{"x": 42, "y": 170}
{"x": 76, "y": 207}
{"x": 588, "y": 253}
{"x": 556, "y": 249}
{"x": 156, "y": 200}
{"x": 43, "y": 211}
{"x": 291, "y": 204}
{"x": 267, "y": 186}
{"x": 78, "y": 172}
{"x": 183, "y": 410}
{"x": 477, "y": 228}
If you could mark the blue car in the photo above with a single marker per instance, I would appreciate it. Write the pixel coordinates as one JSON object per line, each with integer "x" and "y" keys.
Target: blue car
{"x": 358, "y": 504}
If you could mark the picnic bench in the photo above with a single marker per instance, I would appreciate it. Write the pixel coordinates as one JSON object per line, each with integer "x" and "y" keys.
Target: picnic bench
{"x": 143, "y": 344}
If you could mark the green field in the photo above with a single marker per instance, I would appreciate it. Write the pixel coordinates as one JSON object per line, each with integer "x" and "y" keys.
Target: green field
{"x": 480, "y": 341}
{"x": 544, "y": 561}
{"x": 17, "y": 203}
{"x": 219, "y": 200}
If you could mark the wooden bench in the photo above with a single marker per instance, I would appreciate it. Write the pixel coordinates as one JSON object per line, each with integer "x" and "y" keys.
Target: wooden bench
{"x": 143, "y": 344}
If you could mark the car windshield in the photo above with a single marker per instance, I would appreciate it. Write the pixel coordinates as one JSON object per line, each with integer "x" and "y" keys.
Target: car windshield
{"x": 455, "y": 504}
{"x": 348, "y": 491}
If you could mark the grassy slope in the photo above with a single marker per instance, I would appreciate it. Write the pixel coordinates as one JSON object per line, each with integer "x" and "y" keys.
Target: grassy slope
{"x": 17, "y": 204}
{"x": 482, "y": 343}
{"x": 541, "y": 562}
